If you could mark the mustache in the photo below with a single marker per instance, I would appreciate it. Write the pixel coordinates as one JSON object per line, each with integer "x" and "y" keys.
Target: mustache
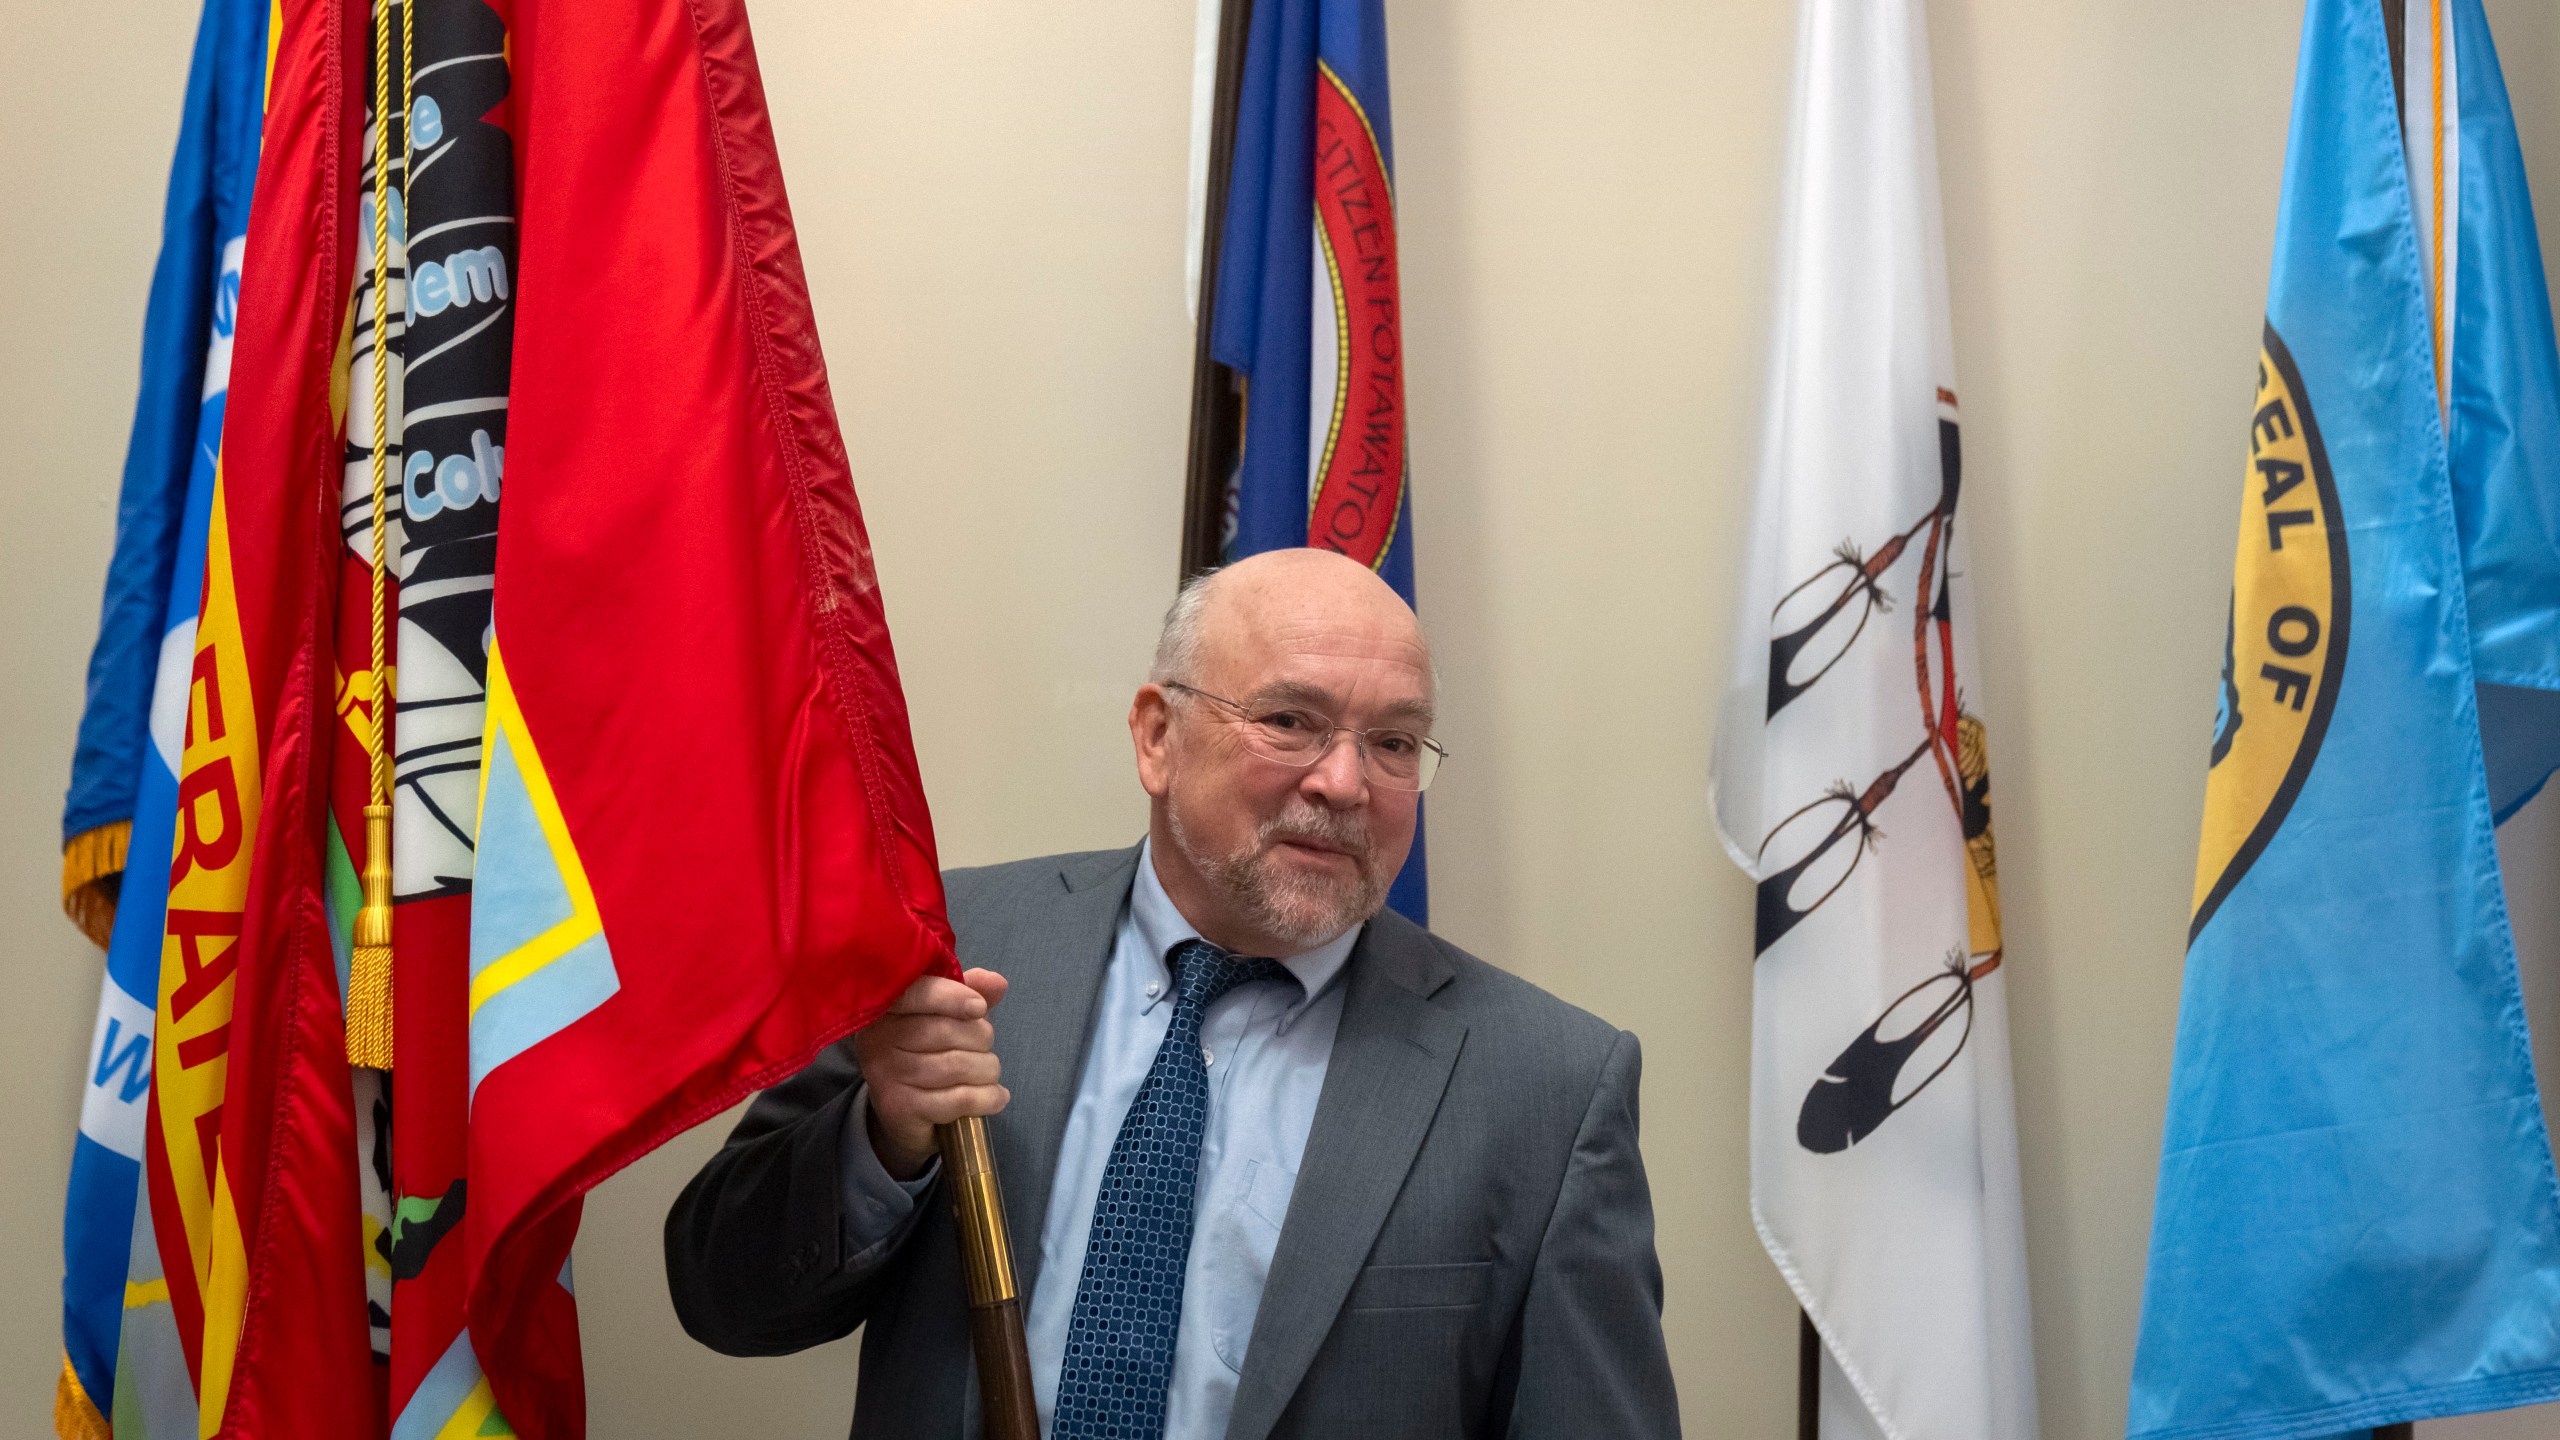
{"x": 1307, "y": 822}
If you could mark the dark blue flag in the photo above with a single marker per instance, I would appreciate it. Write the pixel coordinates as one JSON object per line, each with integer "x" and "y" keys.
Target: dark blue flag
{"x": 1308, "y": 308}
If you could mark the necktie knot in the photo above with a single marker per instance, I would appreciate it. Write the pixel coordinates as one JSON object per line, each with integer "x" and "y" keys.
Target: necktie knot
{"x": 1202, "y": 972}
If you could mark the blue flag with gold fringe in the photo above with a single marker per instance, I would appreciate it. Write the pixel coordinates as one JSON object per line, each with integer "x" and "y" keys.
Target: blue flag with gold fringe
{"x": 2357, "y": 1220}
{"x": 125, "y": 769}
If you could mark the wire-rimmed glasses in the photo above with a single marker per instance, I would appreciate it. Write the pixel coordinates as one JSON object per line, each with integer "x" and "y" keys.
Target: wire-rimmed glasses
{"x": 1392, "y": 758}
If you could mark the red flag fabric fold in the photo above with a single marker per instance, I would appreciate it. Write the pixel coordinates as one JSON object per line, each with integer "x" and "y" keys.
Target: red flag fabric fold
{"x": 286, "y": 1353}
{"x": 704, "y": 848}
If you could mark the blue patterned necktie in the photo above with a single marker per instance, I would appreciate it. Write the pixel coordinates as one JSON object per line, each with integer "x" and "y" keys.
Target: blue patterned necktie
{"x": 1119, "y": 1361}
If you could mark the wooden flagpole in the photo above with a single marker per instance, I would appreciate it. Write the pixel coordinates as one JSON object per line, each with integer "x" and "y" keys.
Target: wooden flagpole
{"x": 1217, "y": 393}
{"x": 986, "y": 1263}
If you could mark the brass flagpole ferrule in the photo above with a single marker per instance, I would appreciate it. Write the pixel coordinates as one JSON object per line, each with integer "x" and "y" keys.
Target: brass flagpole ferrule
{"x": 986, "y": 1261}
{"x": 986, "y": 1252}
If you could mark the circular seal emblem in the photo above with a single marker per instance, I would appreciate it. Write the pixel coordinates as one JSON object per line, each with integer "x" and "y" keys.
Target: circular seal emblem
{"x": 2284, "y": 648}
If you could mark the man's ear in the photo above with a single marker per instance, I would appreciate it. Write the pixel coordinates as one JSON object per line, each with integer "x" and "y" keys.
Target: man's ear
{"x": 1151, "y": 734}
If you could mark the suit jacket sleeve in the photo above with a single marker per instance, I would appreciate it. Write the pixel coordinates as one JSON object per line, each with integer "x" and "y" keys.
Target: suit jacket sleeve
{"x": 1591, "y": 1356}
{"x": 790, "y": 1235}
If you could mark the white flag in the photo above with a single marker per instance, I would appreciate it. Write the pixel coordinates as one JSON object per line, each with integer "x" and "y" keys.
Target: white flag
{"x": 1852, "y": 783}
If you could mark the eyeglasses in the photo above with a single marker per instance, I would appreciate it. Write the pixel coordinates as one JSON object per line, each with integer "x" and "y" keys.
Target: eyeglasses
{"x": 1393, "y": 759}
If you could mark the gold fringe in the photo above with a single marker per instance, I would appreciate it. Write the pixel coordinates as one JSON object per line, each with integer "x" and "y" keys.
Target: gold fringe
{"x": 92, "y": 875}
{"x": 75, "y": 1415}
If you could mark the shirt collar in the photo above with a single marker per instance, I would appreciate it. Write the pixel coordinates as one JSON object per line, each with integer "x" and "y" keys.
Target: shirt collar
{"x": 1161, "y": 926}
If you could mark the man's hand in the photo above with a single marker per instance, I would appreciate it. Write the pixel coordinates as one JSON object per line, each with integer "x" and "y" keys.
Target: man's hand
{"x": 930, "y": 1061}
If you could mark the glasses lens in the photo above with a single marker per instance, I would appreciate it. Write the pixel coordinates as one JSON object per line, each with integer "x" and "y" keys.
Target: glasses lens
{"x": 1291, "y": 735}
{"x": 1395, "y": 757}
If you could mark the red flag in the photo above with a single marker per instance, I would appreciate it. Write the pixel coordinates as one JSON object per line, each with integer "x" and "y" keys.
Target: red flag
{"x": 704, "y": 848}
{"x": 258, "y": 1228}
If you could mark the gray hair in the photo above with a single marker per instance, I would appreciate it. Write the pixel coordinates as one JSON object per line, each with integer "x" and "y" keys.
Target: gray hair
{"x": 1178, "y": 644}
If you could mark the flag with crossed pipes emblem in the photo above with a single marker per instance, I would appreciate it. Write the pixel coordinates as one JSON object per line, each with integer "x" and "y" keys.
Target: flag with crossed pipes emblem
{"x": 1853, "y": 785}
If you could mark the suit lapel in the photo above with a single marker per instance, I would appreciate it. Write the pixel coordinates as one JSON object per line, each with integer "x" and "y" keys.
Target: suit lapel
{"x": 1391, "y": 1062}
{"x": 1054, "y": 955}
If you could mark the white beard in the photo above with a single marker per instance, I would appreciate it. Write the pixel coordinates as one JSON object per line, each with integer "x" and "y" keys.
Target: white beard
{"x": 1300, "y": 911}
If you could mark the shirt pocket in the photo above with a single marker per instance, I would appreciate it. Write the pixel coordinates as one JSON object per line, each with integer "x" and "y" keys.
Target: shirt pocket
{"x": 1420, "y": 1287}
{"x": 1242, "y": 1236}
{"x": 1267, "y": 1189}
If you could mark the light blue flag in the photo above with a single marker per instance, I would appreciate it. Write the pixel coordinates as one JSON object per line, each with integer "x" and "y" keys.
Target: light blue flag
{"x": 205, "y": 230}
{"x": 2358, "y": 1221}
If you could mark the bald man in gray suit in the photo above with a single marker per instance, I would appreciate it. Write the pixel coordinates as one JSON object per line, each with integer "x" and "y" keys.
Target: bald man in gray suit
{"x": 1277, "y": 1162}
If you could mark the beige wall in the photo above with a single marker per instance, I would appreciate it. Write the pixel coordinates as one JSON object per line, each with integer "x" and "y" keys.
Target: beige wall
{"x": 990, "y": 198}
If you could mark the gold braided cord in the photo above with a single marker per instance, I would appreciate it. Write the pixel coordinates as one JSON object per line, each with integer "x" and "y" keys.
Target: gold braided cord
{"x": 381, "y": 768}
{"x": 369, "y": 968}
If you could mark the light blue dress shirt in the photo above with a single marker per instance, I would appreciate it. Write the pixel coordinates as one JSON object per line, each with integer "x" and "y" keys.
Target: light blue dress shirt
{"x": 1268, "y": 1046}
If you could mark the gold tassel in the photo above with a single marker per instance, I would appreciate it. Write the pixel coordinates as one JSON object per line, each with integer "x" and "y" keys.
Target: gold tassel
{"x": 75, "y": 1415}
{"x": 369, "y": 967}
{"x": 93, "y": 876}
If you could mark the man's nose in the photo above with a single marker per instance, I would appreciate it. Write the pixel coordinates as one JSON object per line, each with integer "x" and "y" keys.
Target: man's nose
{"x": 1336, "y": 777}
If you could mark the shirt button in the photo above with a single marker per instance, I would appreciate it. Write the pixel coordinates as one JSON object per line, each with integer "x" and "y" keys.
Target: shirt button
{"x": 1206, "y": 1058}
{"x": 1153, "y": 990}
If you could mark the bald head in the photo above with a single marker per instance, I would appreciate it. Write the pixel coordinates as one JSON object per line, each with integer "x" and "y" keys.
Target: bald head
{"x": 1289, "y": 591}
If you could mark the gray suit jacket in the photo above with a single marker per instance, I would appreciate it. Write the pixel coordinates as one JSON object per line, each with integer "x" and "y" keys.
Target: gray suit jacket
{"x": 1469, "y": 1251}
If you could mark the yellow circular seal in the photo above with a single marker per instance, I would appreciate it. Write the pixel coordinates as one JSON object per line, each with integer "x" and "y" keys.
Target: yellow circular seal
{"x": 2284, "y": 647}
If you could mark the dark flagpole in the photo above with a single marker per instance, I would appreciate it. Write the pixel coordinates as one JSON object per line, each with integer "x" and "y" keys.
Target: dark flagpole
{"x": 1217, "y": 393}
{"x": 1808, "y": 1379}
